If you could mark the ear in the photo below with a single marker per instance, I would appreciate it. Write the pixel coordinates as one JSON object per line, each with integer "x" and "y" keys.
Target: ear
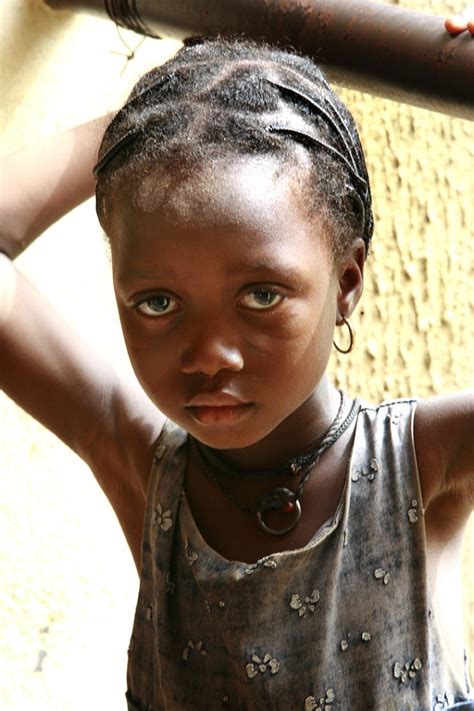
{"x": 351, "y": 280}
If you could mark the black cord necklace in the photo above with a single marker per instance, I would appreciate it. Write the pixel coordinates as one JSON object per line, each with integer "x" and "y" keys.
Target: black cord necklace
{"x": 279, "y": 498}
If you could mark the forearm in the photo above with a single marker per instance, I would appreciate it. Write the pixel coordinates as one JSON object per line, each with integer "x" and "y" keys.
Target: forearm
{"x": 41, "y": 183}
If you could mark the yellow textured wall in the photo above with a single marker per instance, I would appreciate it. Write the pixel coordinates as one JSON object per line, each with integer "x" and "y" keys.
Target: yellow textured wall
{"x": 67, "y": 581}
{"x": 415, "y": 326}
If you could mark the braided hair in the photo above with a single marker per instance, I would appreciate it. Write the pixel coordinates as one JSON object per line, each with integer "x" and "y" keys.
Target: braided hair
{"x": 219, "y": 98}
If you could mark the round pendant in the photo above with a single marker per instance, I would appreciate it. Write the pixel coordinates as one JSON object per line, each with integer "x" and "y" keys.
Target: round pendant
{"x": 280, "y": 499}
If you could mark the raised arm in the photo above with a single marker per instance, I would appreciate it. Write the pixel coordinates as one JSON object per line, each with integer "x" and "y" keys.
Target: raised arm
{"x": 43, "y": 182}
{"x": 55, "y": 376}
{"x": 45, "y": 366}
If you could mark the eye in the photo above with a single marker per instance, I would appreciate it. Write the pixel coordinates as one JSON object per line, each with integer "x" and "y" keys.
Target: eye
{"x": 261, "y": 299}
{"x": 158, "y": 305}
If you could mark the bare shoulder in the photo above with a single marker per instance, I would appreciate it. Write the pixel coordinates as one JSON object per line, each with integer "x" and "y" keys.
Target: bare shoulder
{"x": 444, "y": 442}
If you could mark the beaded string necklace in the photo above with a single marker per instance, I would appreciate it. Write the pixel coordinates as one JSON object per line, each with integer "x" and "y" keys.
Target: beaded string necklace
{"x": 278, "y": 498}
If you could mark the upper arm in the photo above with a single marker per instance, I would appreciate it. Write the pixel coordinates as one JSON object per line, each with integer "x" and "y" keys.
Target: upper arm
{"x": 121, "y": 454}
{"x": 444, "y": 440}
{"x": 54, "y": 375}
{"x": 45, "y": 367}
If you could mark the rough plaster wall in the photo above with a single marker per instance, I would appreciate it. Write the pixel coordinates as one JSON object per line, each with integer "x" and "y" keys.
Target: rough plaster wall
{"x": 67, "y": 585}
{"x": 415, "y": 325}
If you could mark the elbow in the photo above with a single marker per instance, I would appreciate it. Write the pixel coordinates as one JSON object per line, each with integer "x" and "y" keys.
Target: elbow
{"x": 7, "y": 288}
{"x": 11, "y": 245}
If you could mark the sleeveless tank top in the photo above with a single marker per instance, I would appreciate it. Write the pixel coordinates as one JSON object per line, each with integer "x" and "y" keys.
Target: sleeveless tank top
{"x": 344, "y": 623}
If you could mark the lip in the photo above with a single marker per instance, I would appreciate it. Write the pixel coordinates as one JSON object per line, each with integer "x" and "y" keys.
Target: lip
{"x": 219, "y": 414}
{"x": 220, "y": 399}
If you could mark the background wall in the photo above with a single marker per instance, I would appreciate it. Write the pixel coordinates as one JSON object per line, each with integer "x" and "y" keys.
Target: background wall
{"x": 67, "y": 583}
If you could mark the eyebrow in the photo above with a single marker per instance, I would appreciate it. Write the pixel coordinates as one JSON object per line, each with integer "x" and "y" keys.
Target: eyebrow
{"x": 132, "y": 275}
{"x": 281, "y": 269}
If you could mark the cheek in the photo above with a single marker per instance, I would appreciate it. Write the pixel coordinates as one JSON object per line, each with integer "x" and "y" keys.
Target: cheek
{"x": 291, "y": 358}
{"x": 308, "y": 342}
{"x": 310, "y": 324}
{"x": 310, "y": 348}
{"x": 151, "y": 356}
{"x": 157, "y": 376}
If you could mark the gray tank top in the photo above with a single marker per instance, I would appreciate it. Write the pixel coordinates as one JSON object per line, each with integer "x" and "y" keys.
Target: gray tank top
{"x": 344, "y": 623}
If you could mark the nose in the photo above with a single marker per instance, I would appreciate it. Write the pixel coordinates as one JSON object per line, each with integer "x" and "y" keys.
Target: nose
{"x": 211, "y": 350}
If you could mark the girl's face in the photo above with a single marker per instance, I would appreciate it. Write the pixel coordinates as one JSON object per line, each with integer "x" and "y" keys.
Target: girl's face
{"x": 228, "y": 296}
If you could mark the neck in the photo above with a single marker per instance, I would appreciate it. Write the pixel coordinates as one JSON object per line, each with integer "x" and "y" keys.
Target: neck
{"x": 296, "y": 434}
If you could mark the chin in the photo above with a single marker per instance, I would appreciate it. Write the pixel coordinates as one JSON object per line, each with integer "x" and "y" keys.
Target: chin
{"x": 224, "y": 436}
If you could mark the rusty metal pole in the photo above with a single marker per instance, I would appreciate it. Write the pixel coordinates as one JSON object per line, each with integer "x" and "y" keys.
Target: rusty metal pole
{"x": 381, "y": 49}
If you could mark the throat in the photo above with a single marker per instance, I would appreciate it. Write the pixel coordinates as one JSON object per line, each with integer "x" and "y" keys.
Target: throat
{"x": 236, "y": 535}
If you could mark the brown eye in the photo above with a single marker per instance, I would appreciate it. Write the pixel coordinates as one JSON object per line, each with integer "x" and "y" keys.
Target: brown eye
{"x": 261, "y": 299}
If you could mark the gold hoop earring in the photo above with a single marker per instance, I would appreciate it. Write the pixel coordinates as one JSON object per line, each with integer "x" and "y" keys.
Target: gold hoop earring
{"x": 351, "y": 336}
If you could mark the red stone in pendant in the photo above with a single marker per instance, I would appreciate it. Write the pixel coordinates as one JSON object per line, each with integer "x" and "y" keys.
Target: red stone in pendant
{"x": 288, "y": 507}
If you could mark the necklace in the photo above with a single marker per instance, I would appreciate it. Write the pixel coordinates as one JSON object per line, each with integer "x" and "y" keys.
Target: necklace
{"x": 278, "y": 498}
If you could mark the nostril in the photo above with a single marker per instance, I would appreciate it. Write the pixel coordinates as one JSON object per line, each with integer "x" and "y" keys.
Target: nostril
{"x": 210, "y": 359}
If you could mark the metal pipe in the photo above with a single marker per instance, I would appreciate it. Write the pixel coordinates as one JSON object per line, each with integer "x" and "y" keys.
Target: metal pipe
{"x": 381, "y": 49}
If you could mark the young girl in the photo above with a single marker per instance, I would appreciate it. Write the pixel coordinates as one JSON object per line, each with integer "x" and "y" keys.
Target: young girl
{"x": 288, "y": 536}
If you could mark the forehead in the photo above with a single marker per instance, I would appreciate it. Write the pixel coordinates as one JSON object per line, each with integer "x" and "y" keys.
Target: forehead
{"x": 214, "y": 191}
{"x": 251, "y": 203}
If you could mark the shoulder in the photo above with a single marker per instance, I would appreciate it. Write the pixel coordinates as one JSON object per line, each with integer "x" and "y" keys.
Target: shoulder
{"x": 441, "y": 431}
{"x": 386, "y": 431}
{"x": 437, "y": 435}
{"x": 398, "y": 412}
{"x": 444, "y": 442}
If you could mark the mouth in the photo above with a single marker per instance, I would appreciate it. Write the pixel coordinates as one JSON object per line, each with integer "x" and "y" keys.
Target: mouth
{"x": 219, "y": 414}
{"x": 219, "y": 398}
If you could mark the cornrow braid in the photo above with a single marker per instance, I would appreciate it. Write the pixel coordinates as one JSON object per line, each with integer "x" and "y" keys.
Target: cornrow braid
{"x": 219, "y": 97}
